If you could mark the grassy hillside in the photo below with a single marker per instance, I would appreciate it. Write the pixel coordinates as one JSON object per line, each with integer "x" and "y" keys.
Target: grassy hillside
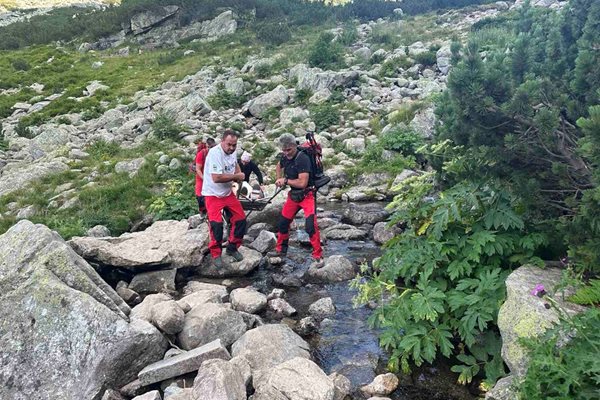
{"x": 24, "y": 4}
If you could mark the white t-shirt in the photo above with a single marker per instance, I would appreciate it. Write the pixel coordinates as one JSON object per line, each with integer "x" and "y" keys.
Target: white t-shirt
{"x": 217, "y": 162}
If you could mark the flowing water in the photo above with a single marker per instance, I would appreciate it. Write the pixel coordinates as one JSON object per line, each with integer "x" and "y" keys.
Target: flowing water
{"x": 344, "y": 342}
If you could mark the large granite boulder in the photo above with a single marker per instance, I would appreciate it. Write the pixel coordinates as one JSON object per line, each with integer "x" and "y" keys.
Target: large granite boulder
{"x": 219, "y": 380}
{"x": 273, "y": 99}
{"x": 144, "y": 21}
{"x": 524, "y": 316}
{"x": 314, "y": 79}
{"x": 337, "y": 268}
{"x": 65, "y": 332}
{"x": 163, "y": 243}
{"x": 268, "y": 346}
{"x": 295, "y": 379}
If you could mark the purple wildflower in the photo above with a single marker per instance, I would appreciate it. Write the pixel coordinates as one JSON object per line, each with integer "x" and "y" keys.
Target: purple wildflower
{"x": 539, "y": 290}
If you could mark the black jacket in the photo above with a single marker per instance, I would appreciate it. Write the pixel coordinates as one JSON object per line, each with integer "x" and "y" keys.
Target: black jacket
{"x": 250, "y": 168}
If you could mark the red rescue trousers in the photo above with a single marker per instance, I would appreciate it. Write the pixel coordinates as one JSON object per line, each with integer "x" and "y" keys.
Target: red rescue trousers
{"x": 237, "y": 223}
{"x": 290, "y": 208}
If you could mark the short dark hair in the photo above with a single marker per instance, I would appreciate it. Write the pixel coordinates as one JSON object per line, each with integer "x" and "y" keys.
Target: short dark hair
{"x": 210, "y": 141}
{"x": 230, "y": 132}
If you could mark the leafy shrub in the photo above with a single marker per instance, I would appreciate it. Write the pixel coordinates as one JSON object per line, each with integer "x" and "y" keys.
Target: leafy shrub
{"x": 270, "y": 114}
{"x": 169, "y": 58}
{"x": 324, "y": 115}
{"x": 427, "y": 58}
{"x": 102, "y": 150}
{"x": 24, "y": 130}
{"x": 570, "y": 371}
{"x": 405, "y": 113}
{"x": 391, "y": 66}
{"x": 3, "y": 142}
{"x": 174, "y": 203}
{"x": 443, "y": 277}
{"x": 262, "y": 151}
{"x": 588, "y": 294}
{"x": 274, "y": 33}
{"x": 349, "y": 35}
{"x": 325, "y": 53}
{"x": 225, "y": 99}
{"x": 63, "y": 120}
{"x": 20, "y": 65}
{"x": 165, "y": 127}
{"x": 302, "y": 96}
{"x": 403, "y": 140}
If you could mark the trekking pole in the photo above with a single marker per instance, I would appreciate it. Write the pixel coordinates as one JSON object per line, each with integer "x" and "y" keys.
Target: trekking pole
{"x": 268, "y": 201}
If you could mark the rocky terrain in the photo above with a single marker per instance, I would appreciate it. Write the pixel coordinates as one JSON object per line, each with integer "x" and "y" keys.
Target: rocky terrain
{"x": 170, "y": 325}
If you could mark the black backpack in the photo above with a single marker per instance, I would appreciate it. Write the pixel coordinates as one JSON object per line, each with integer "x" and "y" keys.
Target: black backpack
{"x": 315, "y": 153}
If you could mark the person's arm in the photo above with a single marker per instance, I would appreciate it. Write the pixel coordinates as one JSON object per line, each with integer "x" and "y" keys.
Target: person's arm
{"x": 216, "y": 167}
{"x": 224, "y": 178}
{"x": 299, "y": 183}
{"x": 258, "y": 174}
{"x": 199, "y": 171}
{"x": 303, "y": 164}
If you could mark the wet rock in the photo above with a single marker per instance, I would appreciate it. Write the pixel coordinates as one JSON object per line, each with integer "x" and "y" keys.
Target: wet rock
{"x": 153, "y": 395}
{"x": 344, "y": 232}
{"x": 364, "y": 214}
{"x": 163, "y": 243}
{"x": 337, "y": 268}
{"x": 208, "y": 322}
{"x": 322, "y": 308}
{"x": 168, "y": 317}
{"x": 219, "y": 380}
{"x": 306, "y": 326}
{"x": 269, "y": 345}
{"x": 183, "y": 363}
{"x": 265, "y": 242}
{"x": 342, "y": 386}
{"x": 248, "y": 300}
{"x": 381, "y": 385}
{"x": 250, "y": 262}
{"x": 154, "y": 281}
{"x": 281, "y": 308}
{"x": 144, "y": 309}
{"x": 81, "y": 324}
{"x": 296, "y": 379}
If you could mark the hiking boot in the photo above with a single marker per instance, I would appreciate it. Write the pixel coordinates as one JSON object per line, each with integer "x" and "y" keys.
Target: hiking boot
{"x": 217, "y": 262}
{"x": 236, "y": 255}
{"x": 318, "y": 263}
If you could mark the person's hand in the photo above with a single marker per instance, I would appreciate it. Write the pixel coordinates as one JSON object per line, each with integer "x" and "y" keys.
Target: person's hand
{"x": 280, "y": 182}
{"x": 239, "y": 177}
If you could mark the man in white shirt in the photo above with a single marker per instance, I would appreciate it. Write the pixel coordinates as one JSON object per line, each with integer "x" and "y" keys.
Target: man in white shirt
{"x": 221, "y": 169}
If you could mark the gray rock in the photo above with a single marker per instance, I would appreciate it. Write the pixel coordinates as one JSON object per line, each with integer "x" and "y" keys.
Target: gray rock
{"x": 196, "y": 286}
{"x": 275, "y": 98}
{"x": 524, "y": 316}
{"x": 355, "y": 145}
{"x": 243, "y": 366}
{"x": 219, "y": 380}
{"x": 282, "y": 308}
{"x": 250, "y": 262}
{"x": 295, "y": 379}
{"x": 208, "y": 322}
{"x": 382, "y": 232}
{"x": 224, "y": 24}
{"x": 168, "y": 317}
{"x": 235, "y": 86}
{"x": 81, "y": 325}
{"x": 364, "y": 214}
{"x": 342, "y": 385}
{"x": 382, "y": 385}
{"x": 306, "y": 326}
{"x": 26, "y": 213}
{"x": 337, "y": 268}
{"x": 153, "y": 395}
{"x": 132, "y": 389}
{"x": 78, "y": 154}
{"x": 269, "y": 345}
{"x": 163, "y": 243}
{"x": 131, "y": 298}
{"x": 144, "y": 309}
{"x": 265, "y": 241}
{"x": 424, "y": 122}
{"x": 504, "y": 389}
{"x": 320, "y": 96}
{"x": 131, "y": 167}
{"x": 25, "y": 174}
{"x": 401, "y": 177}
{"x": 363, "y": 52}
{"x": 444, "y": 57}
{"x": 98, "y": 231}
{"x": 344, "y": 232}
{"x": 314, "y": 79}
{"x": 183, "y": 363}
{"x": 276, "y": 294}
{"x": 144, "y": 21}
{"x": 175, "y": 164}
{"x": 322, "y": 308}
{"x": 93, "y": 87}
{"x": 111, "y": 394}
{"x": 289, "y": 115}
{"x": 248, "y": 300}
{"x": 154, "y": 281}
